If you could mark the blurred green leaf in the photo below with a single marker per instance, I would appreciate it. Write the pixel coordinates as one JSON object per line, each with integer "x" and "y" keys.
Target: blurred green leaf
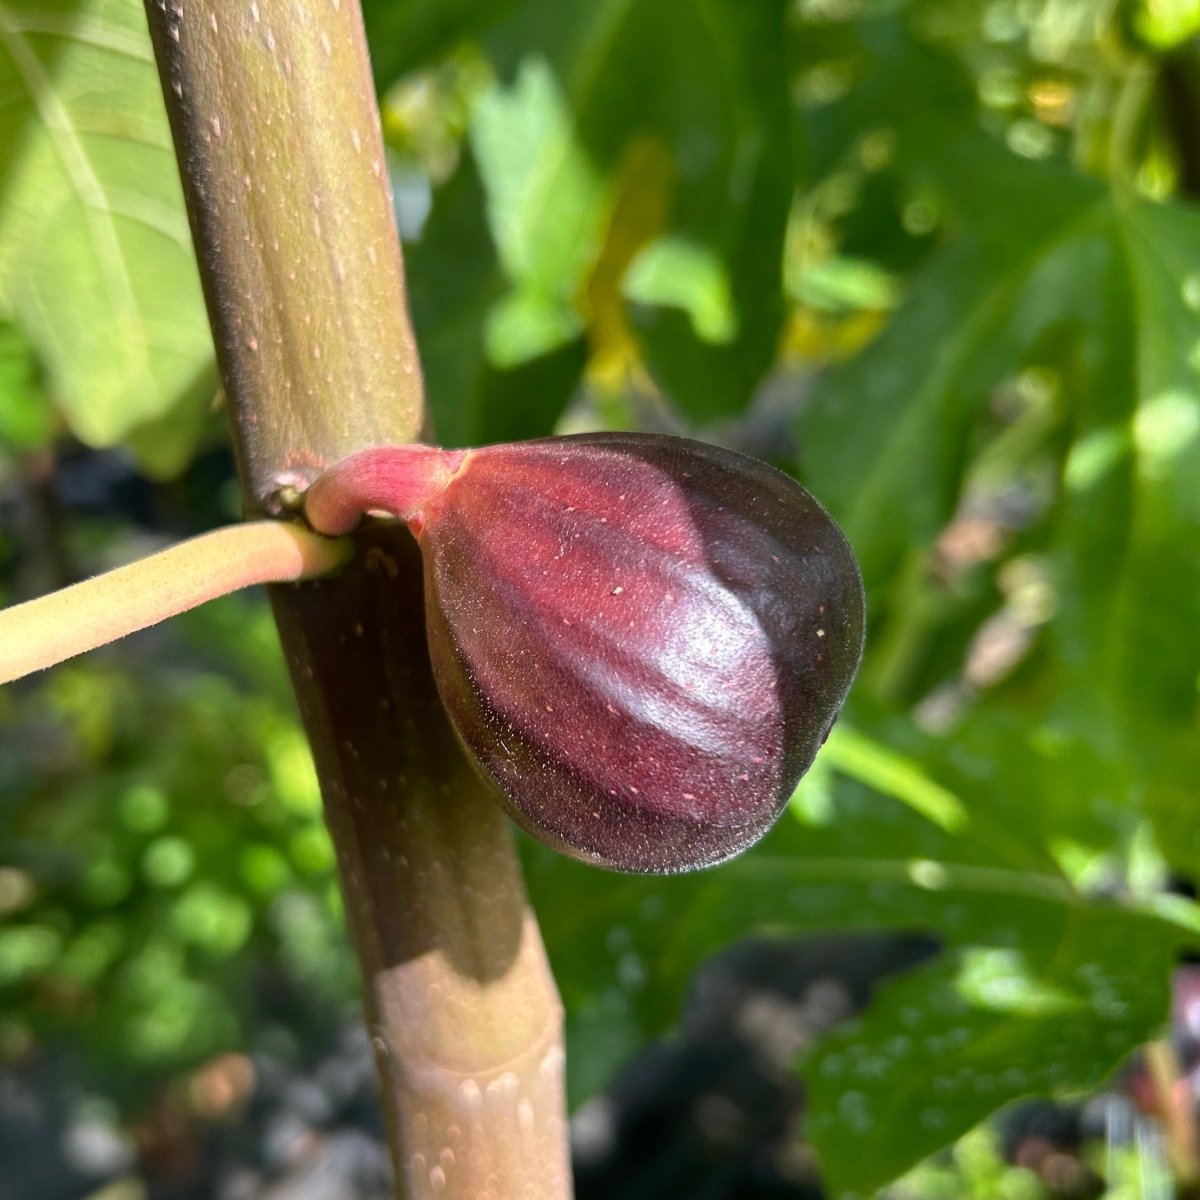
{"x": 674, "y": 273}
{"x": 96, "y": 262}
{"x": 525, "y": 326}
{"x": 581, "y": 92}
{"x": 479, "y": 391}
{"x": 543, "y": 195}
{"x": 408, "y": 34}
{"x": 212, "y": 919}
{"x": 843, "y": 284}
{"x": 27, "y": 950}
{"x": 26, "y": 420}
{"x": 893, "y": 775}
{"x": 158, "y": 875}
{"x": 1164, "y": 24}
{"x": 708, "y": 83}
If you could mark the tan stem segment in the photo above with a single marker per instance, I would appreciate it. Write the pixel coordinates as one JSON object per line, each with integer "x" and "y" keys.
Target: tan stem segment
{"x": 53, "y": 628}
{"x": 273, "y": 114}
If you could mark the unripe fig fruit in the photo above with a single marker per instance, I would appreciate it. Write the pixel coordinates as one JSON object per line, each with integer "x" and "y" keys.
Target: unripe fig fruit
{"x": 642, "y": 640}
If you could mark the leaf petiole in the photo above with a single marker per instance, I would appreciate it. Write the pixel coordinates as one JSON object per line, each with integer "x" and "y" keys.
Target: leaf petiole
{"x": 53, "y": 628}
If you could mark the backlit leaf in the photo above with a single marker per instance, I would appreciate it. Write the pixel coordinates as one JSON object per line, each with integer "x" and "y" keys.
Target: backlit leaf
{"x": 96, "y": 262}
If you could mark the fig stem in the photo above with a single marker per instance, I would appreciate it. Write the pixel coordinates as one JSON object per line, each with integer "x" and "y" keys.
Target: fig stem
{"x": 53, "y": 628}
{"x": 305, "y": 288}
{"x": 400, "y": 480}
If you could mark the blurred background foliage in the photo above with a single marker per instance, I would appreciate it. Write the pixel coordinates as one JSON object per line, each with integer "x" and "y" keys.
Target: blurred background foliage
{"x": 938, "y": 258}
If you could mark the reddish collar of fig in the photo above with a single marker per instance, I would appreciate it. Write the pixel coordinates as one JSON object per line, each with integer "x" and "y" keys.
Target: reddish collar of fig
{"x": 400, "y": 480}
{"x": 642, "y": 641}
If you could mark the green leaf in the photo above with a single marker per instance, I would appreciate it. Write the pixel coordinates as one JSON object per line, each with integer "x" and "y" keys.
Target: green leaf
{"x": 96, "y": 263}
{"x": 1134, "y": 585}
{"x": 1093, "y": 293}
{"x": 1051, "y": 998}
{"x": 1042, "y": 988}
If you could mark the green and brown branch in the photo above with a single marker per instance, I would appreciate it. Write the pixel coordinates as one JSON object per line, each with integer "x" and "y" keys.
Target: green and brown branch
{"x": 273, "y": 114}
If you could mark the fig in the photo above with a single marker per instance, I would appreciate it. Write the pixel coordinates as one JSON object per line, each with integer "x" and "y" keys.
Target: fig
{"x": 642, "y": 641}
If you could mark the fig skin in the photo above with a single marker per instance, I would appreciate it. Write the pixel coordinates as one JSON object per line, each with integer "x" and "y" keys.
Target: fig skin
{"x": 641, "y": 640}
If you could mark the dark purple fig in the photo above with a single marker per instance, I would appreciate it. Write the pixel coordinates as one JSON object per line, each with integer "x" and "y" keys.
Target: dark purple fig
{"x": 642, "y": 640}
